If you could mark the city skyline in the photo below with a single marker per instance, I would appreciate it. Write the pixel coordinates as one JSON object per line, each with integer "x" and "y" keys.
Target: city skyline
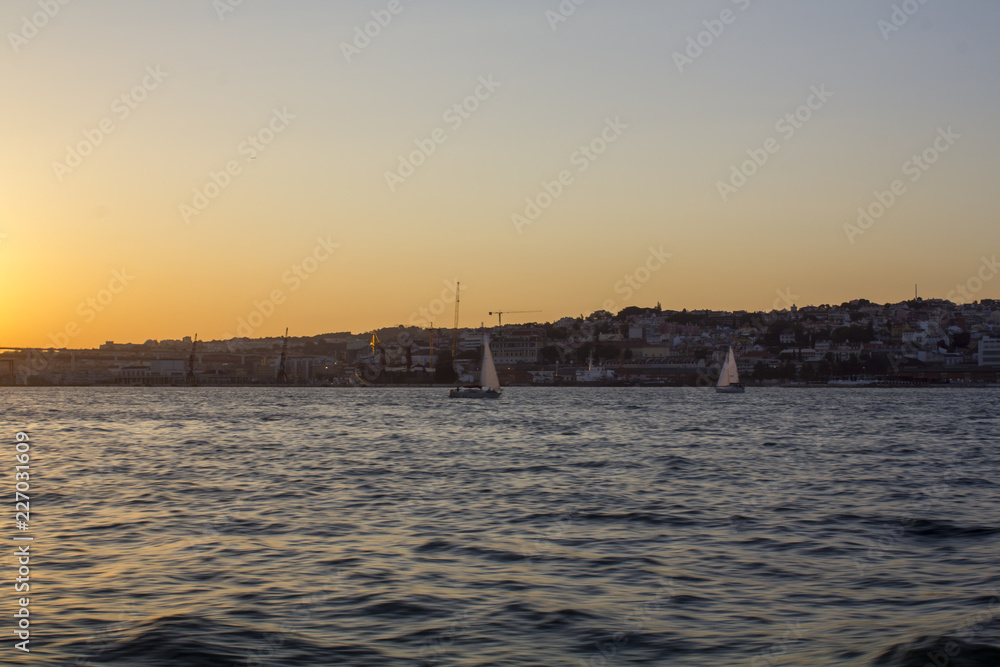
{"x": 913, "y": 341}
{"x": 179, "y": 166}
{"x": 251, "y": 328}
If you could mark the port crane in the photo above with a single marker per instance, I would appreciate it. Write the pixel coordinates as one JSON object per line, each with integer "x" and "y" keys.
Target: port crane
{"x": 191, "y": 379}
{"x": 501, "y": 313}
{"x": 454, "y": 335}
{"x": 282, "y": 373}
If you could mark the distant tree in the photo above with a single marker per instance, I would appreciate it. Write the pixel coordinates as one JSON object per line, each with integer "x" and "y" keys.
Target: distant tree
{"x": 553, "y": 332}
{"x": 629, "y": 311}
{"x": 853, "y": 334}
{"x": 684, "y": 317}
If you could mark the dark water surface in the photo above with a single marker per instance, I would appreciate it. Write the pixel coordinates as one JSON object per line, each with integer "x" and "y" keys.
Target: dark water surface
{"x": 553, "y": 527}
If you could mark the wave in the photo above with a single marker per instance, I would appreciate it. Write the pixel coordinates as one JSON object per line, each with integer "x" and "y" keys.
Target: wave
{"x": 194, "y": 641}
{"x": 972, "y": 646}
{"x": 939, "y": 529}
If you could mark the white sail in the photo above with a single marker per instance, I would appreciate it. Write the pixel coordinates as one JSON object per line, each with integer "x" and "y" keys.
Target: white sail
{"x": 488, "y": 378}
{"x": 730, "y": 373}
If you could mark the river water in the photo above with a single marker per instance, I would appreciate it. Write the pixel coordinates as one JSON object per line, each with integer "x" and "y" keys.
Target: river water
{"x": 604, "y": 526}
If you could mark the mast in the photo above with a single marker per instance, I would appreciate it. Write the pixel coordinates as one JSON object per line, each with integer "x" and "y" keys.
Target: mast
{"x": 454, "y": 335}
{"x": 282, "y": 374}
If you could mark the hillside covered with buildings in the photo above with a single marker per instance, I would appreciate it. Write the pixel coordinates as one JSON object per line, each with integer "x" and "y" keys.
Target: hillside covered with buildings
{"x": 914, "y": 342}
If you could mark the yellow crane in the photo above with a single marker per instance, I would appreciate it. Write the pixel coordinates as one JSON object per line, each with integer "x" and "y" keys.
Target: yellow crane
{"x": 501, "y": 313}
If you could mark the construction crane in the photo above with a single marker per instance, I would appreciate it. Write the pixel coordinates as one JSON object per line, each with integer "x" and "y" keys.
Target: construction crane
{"x": 454, "y": 335}
{"x": 377, "y": 350}
{"x": 191, "y": 379}
{"x": 501, "y": 313}
{"x": 282, "y": 374}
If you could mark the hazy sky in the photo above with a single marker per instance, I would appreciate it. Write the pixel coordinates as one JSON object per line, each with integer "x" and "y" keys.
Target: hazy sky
{"x": 121, "y": 118}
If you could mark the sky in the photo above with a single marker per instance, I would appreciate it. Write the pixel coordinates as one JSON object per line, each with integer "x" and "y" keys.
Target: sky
{"x": 235, "y": 168}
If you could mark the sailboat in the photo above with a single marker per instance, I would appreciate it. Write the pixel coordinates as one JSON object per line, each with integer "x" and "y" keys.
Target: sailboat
{"x": 488, "y": 380}
{"x": 729, "y": 377}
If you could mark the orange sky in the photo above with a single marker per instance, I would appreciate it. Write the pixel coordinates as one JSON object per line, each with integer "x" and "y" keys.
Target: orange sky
{"x": 118, "y": 116}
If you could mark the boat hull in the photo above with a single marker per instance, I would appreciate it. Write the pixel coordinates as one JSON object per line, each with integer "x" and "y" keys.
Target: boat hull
{"x": 473, "y": 393}
{"x": 731, "y": 389}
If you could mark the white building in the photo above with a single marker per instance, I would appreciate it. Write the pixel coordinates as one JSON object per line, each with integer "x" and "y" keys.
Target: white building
{"x": 989, "y": 351}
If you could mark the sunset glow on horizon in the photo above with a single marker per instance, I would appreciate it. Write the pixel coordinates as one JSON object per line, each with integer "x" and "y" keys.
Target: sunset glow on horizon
{"x": 170, "y": 169}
